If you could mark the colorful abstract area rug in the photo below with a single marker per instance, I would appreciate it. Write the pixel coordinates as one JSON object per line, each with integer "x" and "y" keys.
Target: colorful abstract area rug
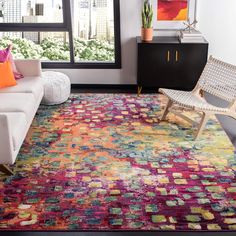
{"x": 103, "y": 162}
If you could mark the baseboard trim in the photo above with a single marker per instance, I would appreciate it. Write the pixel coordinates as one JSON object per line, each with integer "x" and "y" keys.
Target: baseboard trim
{"x": 104, "y": 86}
{"x": 111, "y": 88}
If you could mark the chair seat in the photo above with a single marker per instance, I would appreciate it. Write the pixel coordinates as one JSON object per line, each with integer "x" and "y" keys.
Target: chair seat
{"x": 189, "y": 100}
{"x": 215, "y": 78}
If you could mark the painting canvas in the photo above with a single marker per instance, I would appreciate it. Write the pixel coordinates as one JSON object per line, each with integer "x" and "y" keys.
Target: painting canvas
{"x": 172, "y": 10}
{"x": 170, "y": 15}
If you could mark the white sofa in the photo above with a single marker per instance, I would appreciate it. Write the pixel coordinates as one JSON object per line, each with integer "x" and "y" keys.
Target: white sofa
{"x": 18, "y": 106}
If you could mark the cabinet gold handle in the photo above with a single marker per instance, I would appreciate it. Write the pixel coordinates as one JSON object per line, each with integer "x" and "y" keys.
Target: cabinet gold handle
{"x": 168, "y": 56}
{"x": 176, "y": 56}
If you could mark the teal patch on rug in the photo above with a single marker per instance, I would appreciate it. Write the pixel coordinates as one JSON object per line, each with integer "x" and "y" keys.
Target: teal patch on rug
{"x": 103, "y": 162}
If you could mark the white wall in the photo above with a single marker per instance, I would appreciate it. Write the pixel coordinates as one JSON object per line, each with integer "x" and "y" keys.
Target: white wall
{"x": 217, "y": 21}
{"x": 130, "y": 28}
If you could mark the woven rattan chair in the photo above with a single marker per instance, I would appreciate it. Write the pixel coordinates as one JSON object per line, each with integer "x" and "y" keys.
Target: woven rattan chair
{"x": 219, "y": 79}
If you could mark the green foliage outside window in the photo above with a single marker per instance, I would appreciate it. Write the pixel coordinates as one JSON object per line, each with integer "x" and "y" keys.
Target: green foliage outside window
{"x": 51, "y": 49}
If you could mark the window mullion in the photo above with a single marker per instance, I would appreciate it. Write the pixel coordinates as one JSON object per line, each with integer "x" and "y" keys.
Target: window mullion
{"x": 67, "y": 12}
{"x": 117, "y": 33}
{"x": 32, "y": 27}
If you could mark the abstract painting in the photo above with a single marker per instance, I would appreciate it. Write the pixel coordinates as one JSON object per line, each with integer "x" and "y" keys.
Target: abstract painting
{"x": 172, "y": 10}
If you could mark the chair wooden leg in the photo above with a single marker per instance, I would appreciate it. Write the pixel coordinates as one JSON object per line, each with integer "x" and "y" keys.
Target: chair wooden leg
{"x": 205, "y": 118}
{"x": 5, "y": 169}
{"x": 166, "y": 110}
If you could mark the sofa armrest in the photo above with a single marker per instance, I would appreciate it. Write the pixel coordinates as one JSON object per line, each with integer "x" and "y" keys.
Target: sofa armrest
{"x": 6, "y": 143}
{"x": 29, "y": 68}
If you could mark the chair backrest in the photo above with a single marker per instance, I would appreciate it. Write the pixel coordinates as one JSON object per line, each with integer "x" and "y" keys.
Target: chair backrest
{"x": 219, "y": 79}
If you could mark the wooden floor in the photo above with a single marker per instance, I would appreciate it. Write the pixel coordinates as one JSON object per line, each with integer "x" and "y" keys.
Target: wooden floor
{"x": 118, "y": 233}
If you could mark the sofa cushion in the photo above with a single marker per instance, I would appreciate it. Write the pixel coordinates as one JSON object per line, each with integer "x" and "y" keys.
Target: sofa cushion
{"x": 26, "y": 85}
{"x": 6, "y": 75}
{"x": 6, "y": 55}
{"x": 18, "y": 102}
{"x": 18, "y": 127}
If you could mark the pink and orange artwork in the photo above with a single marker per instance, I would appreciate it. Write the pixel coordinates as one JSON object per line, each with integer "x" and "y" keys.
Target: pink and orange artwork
{"x": 172, "y": 10}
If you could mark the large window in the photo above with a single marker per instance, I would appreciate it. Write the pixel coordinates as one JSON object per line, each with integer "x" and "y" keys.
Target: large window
{"x": 63, "y": 33}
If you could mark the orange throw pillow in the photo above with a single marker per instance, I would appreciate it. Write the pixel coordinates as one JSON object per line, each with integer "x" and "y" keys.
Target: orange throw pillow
{"x": 7, "y": 78}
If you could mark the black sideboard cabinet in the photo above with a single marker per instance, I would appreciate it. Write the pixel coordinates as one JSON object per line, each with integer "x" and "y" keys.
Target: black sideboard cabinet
{"x": 167, "y": 63}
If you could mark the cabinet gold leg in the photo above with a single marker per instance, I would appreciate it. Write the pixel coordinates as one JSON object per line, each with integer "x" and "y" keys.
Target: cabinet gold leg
{"x": 6, "y": 170}
{"x": 140, "y": 88}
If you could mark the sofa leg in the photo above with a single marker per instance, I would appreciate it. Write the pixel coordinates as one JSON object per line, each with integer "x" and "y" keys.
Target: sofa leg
{"x": 5, "y": 169}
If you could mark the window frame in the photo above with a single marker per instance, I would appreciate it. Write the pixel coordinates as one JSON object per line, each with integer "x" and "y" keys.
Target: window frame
{"x": 66, "y": 26}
